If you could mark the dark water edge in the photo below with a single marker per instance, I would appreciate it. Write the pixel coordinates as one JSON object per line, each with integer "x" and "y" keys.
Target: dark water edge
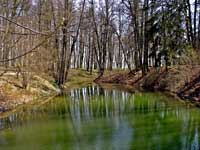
{"x": 101, "y": 118}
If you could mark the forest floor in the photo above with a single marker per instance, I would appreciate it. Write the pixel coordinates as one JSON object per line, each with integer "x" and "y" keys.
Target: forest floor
{"x": 183, "y": 81}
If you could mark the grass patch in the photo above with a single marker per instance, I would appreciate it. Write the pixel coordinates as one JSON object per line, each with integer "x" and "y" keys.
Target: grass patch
{"x": 80, "y": 77}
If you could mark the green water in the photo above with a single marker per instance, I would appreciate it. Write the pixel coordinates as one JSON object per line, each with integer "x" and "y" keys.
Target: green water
{"x": 94, "y": 118}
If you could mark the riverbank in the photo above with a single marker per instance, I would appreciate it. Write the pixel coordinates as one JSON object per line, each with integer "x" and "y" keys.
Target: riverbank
{"x": 39, "y": 87}
{"x": 183, "y": 81}
{"x": 14, "y": 93}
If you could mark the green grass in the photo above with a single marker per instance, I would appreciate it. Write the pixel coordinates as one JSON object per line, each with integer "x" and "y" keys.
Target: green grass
{"x": 79, "y": 77}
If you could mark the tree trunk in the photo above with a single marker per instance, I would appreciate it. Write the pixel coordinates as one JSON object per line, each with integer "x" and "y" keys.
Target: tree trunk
{"x": 146, "y": 45}
{"x": 195, "y": 22}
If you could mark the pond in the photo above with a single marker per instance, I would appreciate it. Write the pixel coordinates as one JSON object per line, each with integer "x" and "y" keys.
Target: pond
{"x": 95, "y": 118}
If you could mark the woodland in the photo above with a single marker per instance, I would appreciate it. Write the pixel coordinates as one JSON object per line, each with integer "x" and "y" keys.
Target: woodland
{"x": 99, "y": 74}
{"x": 51, "y": 37}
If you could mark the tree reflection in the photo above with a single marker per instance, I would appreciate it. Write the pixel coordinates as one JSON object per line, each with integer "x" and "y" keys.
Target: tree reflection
{"x": 95, "y": 118}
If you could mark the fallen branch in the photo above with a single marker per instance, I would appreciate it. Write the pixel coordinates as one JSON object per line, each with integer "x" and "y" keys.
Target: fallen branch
{"x": 3, "y": 73}
{"x": 12, "y": 83}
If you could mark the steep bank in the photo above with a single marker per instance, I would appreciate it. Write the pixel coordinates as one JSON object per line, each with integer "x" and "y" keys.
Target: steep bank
{"x": 191, "y": 89}
{"x": 182, "y": 80}
{"x": 13, "y": 93}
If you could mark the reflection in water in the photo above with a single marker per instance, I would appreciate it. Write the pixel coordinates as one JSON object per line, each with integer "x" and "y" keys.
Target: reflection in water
{"x": 95, "y": 118}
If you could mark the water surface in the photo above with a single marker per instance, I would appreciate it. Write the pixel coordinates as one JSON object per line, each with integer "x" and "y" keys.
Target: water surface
{"x": 94, "y": 118}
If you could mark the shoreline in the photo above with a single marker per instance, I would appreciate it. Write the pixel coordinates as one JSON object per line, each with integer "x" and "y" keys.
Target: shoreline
{"x": 178, "y": 82}
{"x": 40, "y": 89}
{"x": 13, "y": 95}
{"x": 182, "y": 81}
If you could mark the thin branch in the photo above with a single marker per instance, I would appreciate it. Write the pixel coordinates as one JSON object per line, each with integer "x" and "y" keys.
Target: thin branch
{"x": 22, "y": 26}
{"x": 17, "y": 33}
{"x": 13, "y": 45}
{"x": 31, "y": 50}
